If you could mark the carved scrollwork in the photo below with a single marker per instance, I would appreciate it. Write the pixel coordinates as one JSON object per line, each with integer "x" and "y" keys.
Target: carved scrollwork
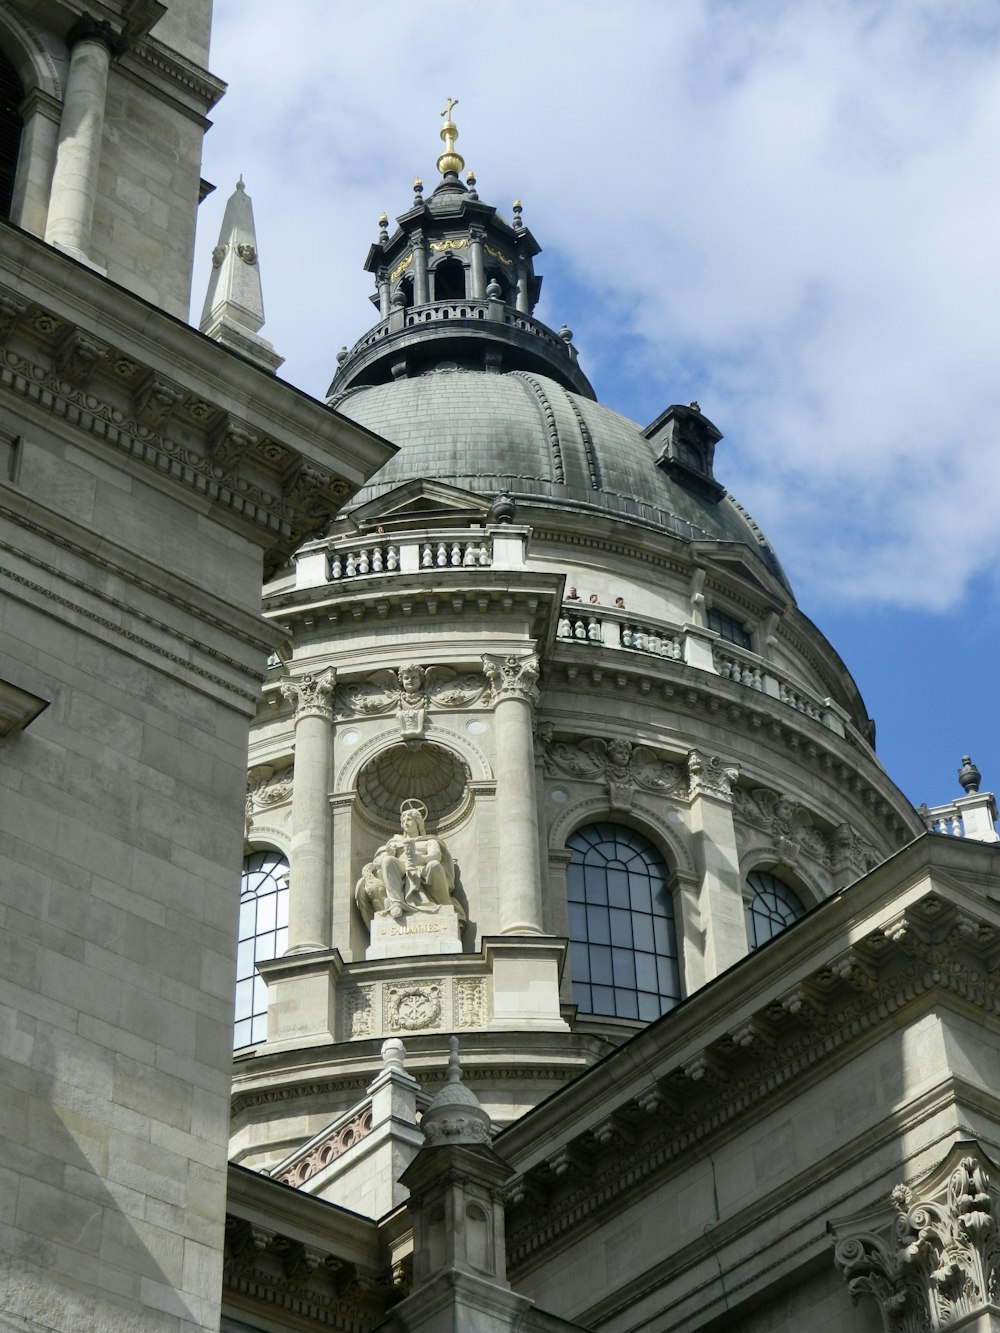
{"x": 411, "y": 691}
{"x": 786, "y": 820}
{"x": 624, "y": 766}
{"x": 711, "y": 776}
{"x": 937, "y": 1260}
{"x": 266, "y": 786}
{"x": 512, "y": 677}
{"x": 311, "y": 695}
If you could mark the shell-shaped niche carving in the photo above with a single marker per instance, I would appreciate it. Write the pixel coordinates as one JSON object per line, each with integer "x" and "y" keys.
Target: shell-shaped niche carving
{"x": 426, "y": 771}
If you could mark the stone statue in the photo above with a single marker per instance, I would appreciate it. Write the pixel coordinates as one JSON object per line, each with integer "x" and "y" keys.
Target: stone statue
{"x": 410, "y": 873}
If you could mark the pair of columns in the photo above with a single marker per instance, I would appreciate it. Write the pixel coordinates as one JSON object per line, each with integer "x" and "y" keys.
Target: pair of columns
{"x": 513, "y": 683}
{"x": 93, "y": 44}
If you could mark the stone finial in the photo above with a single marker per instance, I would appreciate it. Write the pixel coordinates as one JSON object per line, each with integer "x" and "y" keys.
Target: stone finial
{"x": 493, "y": 290}
{"x": 470, "y": 180}
{"x": 418, "y": 192}
{"x": 233, "y": 312}
{"x": 393, "y": 1056}
{"x": 517, "y": 208}
{"x": 969, "y": 776}
{"x": 383, "y": 228}
{"x": 454, "y": 1115}
{"x": 566, "y": 334}
{"x": 503, "y": 508}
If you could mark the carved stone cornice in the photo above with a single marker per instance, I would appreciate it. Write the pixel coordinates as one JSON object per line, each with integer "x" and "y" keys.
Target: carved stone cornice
{"x": 262, "y": 1266}
{"x": 932, "y": 947}
{"x": 933, "y": 1258}
{"x": 514, "y": 676}
{"x": 708, "y": 775}
{"x": 311, "y": 695}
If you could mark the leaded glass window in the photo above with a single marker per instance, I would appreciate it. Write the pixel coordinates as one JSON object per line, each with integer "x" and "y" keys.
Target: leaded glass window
{"x": 770, "y": 907}
{"x": 263, "y": 934}
{"x": 623, "y": 945}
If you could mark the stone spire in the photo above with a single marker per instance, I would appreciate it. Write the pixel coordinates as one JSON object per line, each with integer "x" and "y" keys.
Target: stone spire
{"x": 234, "y": 306}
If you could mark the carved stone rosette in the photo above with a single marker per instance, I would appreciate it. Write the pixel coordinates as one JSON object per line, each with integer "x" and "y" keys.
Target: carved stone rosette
{"x": 711, "y": 776}
{"x": 311, "y": 695}
{"x": 938, "y": 1259}
{"x": 512, "y": 677}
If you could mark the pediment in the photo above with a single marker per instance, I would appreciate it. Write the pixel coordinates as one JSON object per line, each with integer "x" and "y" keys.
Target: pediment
{"x": 423, "y": 503}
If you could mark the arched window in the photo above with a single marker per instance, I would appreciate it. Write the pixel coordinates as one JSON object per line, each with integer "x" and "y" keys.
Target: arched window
{"x": 11, "y": 98}
{"x": 449, "y": 281}
{"x": 623, "y": 945}
{"x": 770, "y": 906}
{"x": 263, "y": 934}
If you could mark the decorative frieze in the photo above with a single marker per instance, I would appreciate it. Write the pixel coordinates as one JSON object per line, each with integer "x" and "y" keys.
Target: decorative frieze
{"x": 426, "y": 1004}
{"x": 267, "y": 787}
{"x": 623, "y": 766}
{"x": 411, "y": 691}
{"x": 935, "y": 1258}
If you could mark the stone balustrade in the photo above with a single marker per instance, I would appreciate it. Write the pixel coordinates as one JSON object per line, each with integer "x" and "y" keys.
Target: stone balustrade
{"x": 381, "y": 556}
{"x": 612, "y": 627}
{"x": 973, "y": 816}
{"x": 469, "y": 309}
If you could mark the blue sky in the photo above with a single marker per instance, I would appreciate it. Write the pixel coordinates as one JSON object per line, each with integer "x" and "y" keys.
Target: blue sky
{"x": 788, "y": 211}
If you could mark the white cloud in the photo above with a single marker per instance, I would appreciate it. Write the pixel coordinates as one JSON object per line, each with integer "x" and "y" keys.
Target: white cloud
{"x": 787, "y": 210}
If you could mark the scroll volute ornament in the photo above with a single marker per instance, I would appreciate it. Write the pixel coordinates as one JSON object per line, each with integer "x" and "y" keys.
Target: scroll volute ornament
{"x": 512, "y": 677}
{"x": 937, "y": 1260}
{"x": 311, "y": 695}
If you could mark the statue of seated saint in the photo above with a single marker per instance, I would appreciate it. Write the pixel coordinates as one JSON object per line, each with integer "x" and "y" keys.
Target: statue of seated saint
{"x": 412, "y": 872}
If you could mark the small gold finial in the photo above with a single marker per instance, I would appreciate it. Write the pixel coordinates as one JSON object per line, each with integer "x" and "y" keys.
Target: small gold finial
{"x": 449, "y": 161}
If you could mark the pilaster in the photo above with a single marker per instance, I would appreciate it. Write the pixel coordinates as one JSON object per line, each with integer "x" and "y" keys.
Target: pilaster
{"x": 309, "y": 866}
{"x": 514, "y": 692}
{"x": 720, "y": 890}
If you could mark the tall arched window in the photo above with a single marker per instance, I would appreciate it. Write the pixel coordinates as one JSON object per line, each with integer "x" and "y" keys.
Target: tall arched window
{"x": 263, "y": 934}
{"x": 770, "y": 906}
{"x": 11, "y": 97}
{"x": 623, "y": 945}
{"x": 449, "y": 281}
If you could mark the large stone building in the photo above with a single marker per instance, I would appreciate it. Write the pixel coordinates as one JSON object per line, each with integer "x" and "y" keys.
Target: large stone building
{"x": 546, "y": 757}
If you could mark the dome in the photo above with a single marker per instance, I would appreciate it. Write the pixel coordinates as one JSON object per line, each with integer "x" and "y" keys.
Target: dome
{"x": 524, "y": 433}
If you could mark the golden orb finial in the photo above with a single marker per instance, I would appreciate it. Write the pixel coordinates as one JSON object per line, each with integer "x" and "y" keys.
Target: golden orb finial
{"x": 449, "y": 161}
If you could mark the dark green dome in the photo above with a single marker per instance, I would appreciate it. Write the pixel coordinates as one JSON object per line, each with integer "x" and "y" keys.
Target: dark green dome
{"x": 524, "y": 433}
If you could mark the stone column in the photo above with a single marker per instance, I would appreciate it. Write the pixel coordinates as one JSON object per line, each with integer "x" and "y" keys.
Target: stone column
{"x": 523, "y": 298}
{"x": 384, "y": 293}
{"x": 421, "y": 288}
{"x": 514, "y": 693}
{"x": 720, "y": 891}
{"x": 74, "y": 181}
{"x": 309, "y": 864}
{"x": 476, "y": 236}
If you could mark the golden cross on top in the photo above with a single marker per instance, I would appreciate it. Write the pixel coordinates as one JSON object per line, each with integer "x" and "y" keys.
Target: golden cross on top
{"x": 452, "y": 101}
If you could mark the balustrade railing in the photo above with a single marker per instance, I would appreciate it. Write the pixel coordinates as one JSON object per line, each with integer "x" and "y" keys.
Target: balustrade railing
{"x": 471, "y": 308}
{"x": 609, "y": 627}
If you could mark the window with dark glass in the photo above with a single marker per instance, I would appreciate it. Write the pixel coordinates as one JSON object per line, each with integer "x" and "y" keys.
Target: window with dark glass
{"x": 449, "y": 281}
{"x": 263, "y": 934}
{"x": 11, "y": 98}
{"x": 734, "y": 631}
{"x": 770, "y": 906}
{"x": 623, "y": 945}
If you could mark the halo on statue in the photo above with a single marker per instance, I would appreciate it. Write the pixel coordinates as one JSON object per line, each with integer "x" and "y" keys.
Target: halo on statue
{"x": 411, "y": 803}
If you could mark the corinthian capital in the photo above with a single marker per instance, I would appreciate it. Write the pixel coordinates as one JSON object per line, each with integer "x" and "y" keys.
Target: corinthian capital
{"x": 311, "y": 695}
{"x": 711, "y": 776}
{"x": 512, "y": 677}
